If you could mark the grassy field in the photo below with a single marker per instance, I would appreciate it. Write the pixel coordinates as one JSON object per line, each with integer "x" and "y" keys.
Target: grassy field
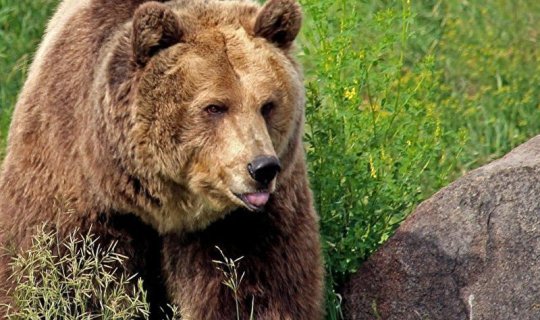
{"x": 403, "y": 97}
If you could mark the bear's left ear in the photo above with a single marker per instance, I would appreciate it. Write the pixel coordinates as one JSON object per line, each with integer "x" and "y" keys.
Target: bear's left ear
{"x": 155, "y": 27}
{"x": 279, "y": 21}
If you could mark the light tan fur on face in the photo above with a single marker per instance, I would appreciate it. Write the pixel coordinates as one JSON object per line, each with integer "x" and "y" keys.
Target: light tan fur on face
{"x": 203, "y": 157}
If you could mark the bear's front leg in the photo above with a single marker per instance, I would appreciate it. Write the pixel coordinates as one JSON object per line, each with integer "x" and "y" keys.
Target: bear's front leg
{"x": 280, "y": 264}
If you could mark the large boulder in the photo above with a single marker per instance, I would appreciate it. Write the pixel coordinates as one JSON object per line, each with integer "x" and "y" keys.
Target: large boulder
{"x": 472, "y": 251}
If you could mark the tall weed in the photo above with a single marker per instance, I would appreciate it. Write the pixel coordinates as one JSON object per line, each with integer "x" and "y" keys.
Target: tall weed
{"x": 402, "y": 98}
{"x": 73, "y": 278}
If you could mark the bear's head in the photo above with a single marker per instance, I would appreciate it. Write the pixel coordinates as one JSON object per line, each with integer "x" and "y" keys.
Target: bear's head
{"x": 217, "y": 110}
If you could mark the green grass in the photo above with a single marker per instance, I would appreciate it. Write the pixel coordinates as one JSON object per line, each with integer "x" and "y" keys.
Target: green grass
{"x": 22, "y": 24}
{"x": 403, "y": 98}
{"x": 80, "y": 283}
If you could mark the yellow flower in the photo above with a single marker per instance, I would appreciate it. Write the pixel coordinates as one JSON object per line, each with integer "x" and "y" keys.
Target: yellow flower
{"x": 372, "y": 167}
{"x": 438, "y": 130}
{"x": 362, "y": 54}
{"x": 350, "y": 93}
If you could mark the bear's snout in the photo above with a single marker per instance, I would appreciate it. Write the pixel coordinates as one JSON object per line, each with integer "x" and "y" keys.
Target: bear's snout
{"x": 264, "y": 169}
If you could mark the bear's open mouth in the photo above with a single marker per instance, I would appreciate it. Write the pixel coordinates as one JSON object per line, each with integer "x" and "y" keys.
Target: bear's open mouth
{"x": 254, "y": 201}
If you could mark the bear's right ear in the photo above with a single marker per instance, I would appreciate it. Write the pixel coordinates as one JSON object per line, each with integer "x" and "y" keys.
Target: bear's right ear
{"x": 155, "y": 27}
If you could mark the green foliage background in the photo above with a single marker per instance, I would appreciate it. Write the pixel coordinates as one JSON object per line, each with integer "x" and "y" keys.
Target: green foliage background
{"x": 403, "y": 97}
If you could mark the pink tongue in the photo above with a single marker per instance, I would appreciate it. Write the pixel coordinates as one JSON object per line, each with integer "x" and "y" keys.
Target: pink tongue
{"x": 258, "y": 199}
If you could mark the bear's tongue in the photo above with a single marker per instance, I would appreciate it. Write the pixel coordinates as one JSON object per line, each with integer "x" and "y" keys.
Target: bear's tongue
{"x": 257, "y": 199}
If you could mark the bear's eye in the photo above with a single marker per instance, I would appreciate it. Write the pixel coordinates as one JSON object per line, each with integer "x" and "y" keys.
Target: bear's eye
{"x": 267, "y": 109}
{"x": 215, "y": 109}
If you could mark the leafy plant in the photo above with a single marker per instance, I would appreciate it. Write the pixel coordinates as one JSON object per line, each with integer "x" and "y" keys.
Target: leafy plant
{"x": 233, "y": 280}
{"x": 74, "y": 278}
{"x": 402, "y": 98}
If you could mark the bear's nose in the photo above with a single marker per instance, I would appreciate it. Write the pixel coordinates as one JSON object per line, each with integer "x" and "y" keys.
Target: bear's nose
{"x": 264, "y": 169}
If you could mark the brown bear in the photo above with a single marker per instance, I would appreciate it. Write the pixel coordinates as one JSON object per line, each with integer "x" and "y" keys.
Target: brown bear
{"x": 172, "y": 128}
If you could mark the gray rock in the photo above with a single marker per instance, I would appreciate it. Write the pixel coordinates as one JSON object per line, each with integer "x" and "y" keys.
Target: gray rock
{"x": 472, "y": 251}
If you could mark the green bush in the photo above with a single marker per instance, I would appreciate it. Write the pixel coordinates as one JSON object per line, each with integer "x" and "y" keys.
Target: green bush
{"x": 403, "y": 97}
{"x": 73, "y": 279}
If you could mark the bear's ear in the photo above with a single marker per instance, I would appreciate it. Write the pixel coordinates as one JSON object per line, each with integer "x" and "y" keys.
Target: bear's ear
{"x": 279, "y": 22}
{"x": 155, "y": 27}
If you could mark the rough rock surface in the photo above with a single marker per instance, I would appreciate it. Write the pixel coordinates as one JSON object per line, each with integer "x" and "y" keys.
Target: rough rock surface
{"x": 472, "y": 251}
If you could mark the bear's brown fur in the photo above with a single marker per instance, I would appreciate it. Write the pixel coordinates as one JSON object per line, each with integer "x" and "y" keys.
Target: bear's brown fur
{"x": 142, "y": 117}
